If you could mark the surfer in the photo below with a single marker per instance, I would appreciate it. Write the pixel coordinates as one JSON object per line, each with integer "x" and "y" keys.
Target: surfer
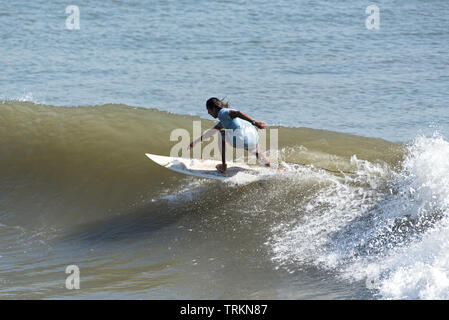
{"x": 241, "y": 131}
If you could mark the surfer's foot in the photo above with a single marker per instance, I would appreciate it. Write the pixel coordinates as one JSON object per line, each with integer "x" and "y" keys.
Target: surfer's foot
{"x": 221, "y": 167}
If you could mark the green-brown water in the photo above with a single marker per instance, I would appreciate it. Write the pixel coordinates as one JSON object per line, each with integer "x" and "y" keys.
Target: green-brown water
{"x": 76, "y": 188}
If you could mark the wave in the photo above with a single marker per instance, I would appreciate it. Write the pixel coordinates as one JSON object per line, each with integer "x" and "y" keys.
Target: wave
{"x": 367, "y": 210}
{"x": 71, "y": 161}
{"x": 385, "y": 228}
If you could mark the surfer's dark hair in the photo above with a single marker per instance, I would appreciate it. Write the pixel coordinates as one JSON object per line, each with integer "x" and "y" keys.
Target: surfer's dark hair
{"x": 216, "y": 103}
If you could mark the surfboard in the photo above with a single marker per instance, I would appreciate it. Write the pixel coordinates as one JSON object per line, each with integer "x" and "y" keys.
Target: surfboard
{"x": 205, "y": 168}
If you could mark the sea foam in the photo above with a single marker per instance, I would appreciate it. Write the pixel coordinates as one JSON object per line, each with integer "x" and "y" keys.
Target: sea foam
{"x": 386, "y": 228}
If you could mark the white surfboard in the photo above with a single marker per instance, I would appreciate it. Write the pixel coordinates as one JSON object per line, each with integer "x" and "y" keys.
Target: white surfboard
{"x": 205, "y": 168}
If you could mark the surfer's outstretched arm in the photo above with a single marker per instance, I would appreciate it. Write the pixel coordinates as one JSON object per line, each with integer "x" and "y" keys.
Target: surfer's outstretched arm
{"x": 209, "y": 133}
{"x": 238, "y": 114}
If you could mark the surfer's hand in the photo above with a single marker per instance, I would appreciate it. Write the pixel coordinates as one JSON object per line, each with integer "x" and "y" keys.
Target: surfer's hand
{"x": 261, "y": 124}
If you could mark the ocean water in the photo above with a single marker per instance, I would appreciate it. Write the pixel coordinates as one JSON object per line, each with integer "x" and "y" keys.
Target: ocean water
{"x": 361, "y": 211}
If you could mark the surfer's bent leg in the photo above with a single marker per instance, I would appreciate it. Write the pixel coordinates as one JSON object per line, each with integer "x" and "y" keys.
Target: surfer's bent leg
{"x": 261, "y": 156}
